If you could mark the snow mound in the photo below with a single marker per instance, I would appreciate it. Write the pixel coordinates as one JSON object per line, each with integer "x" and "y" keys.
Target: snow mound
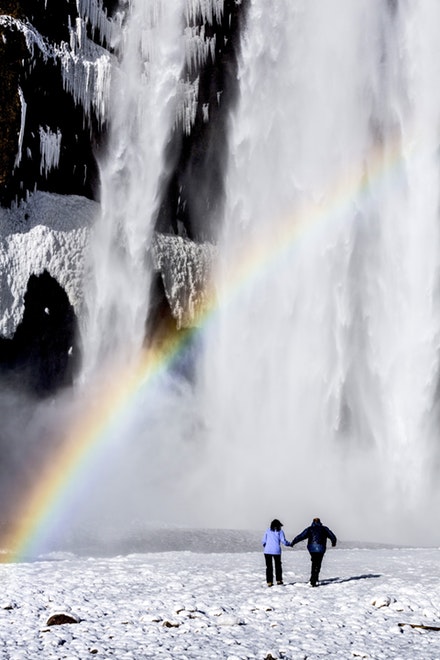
{"x": 52, "y": 232}
{"x": 47, "y": 232}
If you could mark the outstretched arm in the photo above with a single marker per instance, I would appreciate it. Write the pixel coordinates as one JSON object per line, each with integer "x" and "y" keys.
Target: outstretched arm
{"x": 300, "y": 537}
{"x": 331, "y": 536}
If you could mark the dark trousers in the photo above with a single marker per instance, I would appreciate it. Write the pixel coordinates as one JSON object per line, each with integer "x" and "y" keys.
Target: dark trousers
{"x": 269, "y": 568}
{"x": 316, "y": 558}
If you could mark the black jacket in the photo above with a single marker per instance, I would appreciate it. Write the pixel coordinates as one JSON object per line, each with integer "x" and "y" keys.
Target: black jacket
{"x": 316, "y": 535}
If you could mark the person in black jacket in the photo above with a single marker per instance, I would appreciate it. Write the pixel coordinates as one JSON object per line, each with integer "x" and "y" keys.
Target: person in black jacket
{"x": 316, "y": 535}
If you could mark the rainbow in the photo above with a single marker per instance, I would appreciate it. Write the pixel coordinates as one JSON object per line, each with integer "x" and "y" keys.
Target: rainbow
{"x": 44, "y": 505}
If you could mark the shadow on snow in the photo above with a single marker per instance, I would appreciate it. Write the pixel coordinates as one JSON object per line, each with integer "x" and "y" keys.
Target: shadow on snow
{"x": 338, "y": 580}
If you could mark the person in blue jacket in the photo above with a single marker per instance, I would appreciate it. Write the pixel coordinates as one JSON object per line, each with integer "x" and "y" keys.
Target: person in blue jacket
{"x": 272, "y": 540}
{"x": 316, "y": 535}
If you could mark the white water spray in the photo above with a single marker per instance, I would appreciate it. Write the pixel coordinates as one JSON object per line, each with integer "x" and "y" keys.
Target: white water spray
{"x": 321, "y": 370}
{"x": 316, "y": 394}
{"x": 143, "y": 103}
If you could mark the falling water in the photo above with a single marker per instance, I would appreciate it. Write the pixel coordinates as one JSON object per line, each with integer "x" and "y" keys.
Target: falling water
{"x": 320, "y": 379}
{"x": 316, "y": 386}
{"x": 143, "y": 109}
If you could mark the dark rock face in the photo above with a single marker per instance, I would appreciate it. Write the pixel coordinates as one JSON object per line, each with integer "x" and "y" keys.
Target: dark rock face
{"x": 12, "y": 51}
{"x": 42, "y": 355}
{"x": 193, "y": 194}
{"x": 48, "y": 105}
{"x": 192, "y": 191}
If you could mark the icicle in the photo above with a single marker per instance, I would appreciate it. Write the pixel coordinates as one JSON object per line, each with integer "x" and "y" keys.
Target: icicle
{"x": 93, "y": 12}
{"x": 206, "y": 9}
{"x": 187, "y": 108}
{"x": 85, "y": 66}
{"x": 86, "y": 71}
{"x": 32, "y": 36}
{"x": 50, "y": 147}
{"x": 198, "y": 47}
{"x": 22, "y": 126}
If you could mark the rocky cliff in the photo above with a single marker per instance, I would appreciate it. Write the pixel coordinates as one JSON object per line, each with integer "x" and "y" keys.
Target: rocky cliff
{"x": 56, "y": 61}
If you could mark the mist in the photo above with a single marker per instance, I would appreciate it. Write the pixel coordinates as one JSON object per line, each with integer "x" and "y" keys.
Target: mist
{"x": 311, "y": 387}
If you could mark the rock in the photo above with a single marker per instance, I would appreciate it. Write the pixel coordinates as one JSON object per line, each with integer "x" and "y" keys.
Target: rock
{"x": 61, "y": 618}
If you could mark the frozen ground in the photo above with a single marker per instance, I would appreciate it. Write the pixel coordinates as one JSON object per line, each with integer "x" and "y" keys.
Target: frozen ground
{"x": 184, "y": 604}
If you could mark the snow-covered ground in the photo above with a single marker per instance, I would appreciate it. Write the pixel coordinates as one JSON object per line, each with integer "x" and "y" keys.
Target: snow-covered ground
{"x": 184, "y": 604}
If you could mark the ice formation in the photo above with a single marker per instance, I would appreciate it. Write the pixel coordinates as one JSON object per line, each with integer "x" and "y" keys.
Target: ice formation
{"x": 50, "y": 147}
{"x": 198, "y": 47}
{"x": 22, "y": 125}
{"x": 52, "y": 232}
{"x": 93, "y": 12}
{"x": 185, "y": 267}
{"x": 188, "y": 93}
{"x": 85, "y": 66}
{"x": 208, "y": 10}
{"x": 48, "y": 232}
{"x": 86, "y": 71}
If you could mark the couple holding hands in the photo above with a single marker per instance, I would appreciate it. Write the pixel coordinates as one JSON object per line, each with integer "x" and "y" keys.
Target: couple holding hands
{"x": 316, "y": 535}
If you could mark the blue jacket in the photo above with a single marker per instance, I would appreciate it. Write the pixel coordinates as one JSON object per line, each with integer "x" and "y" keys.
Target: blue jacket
{"x": 316, "y": 535}
{"x": 272, "y": 542}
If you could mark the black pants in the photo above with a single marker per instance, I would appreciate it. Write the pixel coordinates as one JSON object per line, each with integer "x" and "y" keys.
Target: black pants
{"x": 316, "y": 558}
{"x": 269, "y": 568}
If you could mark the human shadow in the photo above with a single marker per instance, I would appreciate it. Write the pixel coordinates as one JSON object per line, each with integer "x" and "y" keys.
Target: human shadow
{"x": 339, "y": 580}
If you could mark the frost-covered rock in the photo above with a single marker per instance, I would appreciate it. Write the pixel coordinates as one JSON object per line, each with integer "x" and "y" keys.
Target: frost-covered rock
{"x": 48, "y": 232}
{"x": 185, "y": 267}
{"x": 52, "y": 232}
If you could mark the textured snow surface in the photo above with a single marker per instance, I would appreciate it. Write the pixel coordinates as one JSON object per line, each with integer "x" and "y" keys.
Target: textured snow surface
{"x": 187, "y": 605}
{"x": 51, "y": 232}
{"x": 185, "y": 267}
{"x": 48, "y": 232}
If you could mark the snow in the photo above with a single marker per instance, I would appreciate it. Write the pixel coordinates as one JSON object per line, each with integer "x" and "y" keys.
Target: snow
{"x": 52, "y": 232}
{"x": 185, "y": 267}
{"x": 47, "y": 232}
{"x": 183, "y": 604}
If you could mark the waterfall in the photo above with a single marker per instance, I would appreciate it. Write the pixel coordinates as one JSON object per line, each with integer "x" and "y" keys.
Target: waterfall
{"x": 315, "y": 381}
{"x": 320, "y": 378}
{"x": 143, "y": 106}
